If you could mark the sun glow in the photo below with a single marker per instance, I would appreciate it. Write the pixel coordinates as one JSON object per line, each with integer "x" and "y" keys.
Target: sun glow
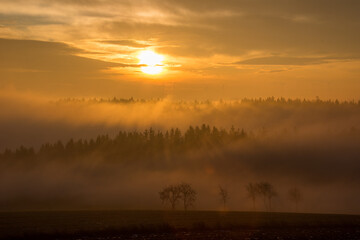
{"x": 151, "y": 61}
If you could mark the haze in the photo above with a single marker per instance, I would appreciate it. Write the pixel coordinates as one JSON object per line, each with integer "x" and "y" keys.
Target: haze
{"x": 286, "y": 73}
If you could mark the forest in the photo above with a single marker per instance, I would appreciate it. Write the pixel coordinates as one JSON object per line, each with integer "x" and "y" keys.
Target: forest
{"x": 128, "y": 146}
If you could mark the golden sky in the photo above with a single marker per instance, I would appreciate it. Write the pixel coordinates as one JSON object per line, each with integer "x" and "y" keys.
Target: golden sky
{"x": 208, "y": 49}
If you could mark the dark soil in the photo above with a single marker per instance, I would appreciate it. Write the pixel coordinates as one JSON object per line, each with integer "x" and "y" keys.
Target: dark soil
{"x": 151, "y": 225}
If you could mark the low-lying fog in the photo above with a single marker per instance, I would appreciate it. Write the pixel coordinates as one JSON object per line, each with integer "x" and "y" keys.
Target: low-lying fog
{"x": 311, "y": 145}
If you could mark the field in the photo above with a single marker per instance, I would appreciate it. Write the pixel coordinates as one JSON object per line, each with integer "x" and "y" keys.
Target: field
{"x": 176, "y": 225}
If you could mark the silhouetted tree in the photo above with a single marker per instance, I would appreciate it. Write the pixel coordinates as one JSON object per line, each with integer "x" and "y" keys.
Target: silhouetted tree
{"x": 295, "y": 196}
{"x": 171, "y": 195}
{"x": 223, "y": 196}
{"x": 188, "y": 195}
{"x": 268, "y": 192}
{"x": 253, "y": 191}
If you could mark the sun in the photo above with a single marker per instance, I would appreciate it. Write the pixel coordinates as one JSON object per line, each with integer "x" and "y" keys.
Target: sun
{"x": 151, "y": 61}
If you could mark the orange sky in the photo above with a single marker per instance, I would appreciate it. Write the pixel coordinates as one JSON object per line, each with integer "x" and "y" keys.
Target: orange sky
{"x": 211, "y": 49}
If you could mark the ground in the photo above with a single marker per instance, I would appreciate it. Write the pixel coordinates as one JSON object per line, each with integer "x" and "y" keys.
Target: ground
{"x": 151, "y": 225}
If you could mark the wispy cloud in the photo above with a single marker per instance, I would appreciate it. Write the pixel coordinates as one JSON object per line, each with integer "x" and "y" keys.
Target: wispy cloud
{"x": 276, "y": 60}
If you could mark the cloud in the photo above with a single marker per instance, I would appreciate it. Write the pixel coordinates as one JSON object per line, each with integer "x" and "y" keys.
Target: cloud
{"x": 126, "y": 42}
{"x": 23, "y": 20}
{"x": 48, "y": 56}
{"x": 49, "y": 66}
{"x": 201, "y": 30}
{"x": 199, "y": 38}
{"x": 275, "y": 60}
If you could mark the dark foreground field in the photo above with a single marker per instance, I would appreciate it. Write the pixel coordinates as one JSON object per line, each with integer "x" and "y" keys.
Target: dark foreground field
{"x": 176, "y": 225}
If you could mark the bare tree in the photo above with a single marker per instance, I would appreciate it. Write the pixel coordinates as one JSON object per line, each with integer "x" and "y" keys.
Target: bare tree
{"x": 271, "y": 193}
{"x": 253, "y": 192}
{"x": 187, "y": 195}
{"x": 223, "y": 196}
{"x": 170, "y": 195}
{"x": 295, "y": 196}
{"x": 268, "y": 192}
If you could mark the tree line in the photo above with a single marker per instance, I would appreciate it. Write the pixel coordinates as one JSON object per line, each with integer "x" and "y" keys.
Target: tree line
{"x": 126, "y": 144}
{"x": 267, "y": 100}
